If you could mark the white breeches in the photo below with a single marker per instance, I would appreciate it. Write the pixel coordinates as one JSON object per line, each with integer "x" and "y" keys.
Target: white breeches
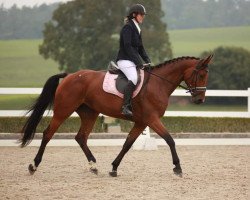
{"x": 129, "y": 69}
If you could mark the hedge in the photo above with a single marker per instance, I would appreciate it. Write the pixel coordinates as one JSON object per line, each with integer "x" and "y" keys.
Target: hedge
{"x": 200, "y": 124}
{"x": 173, "y": 124}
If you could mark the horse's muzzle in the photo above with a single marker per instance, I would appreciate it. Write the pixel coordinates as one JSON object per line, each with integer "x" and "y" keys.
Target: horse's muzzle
{"x": 199, "y": 101}
{"x": 198, "y": 98}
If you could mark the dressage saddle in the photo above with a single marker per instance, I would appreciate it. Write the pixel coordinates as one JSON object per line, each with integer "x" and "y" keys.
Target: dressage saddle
{"x": 121, "y": 80}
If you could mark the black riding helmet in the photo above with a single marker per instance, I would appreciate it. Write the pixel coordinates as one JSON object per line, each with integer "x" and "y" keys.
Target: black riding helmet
{"x": 137, "y": 8}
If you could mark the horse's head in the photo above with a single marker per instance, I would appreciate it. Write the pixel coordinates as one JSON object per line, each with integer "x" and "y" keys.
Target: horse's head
{"x": 196, "y": 79}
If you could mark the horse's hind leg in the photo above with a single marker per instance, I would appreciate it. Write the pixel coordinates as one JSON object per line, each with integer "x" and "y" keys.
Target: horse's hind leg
{"x": 88, "y": 118}
{"x": 47, "y": 135}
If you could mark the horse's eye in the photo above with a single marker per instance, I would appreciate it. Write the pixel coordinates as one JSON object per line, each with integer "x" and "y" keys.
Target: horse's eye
{"x": 201, "y": 76}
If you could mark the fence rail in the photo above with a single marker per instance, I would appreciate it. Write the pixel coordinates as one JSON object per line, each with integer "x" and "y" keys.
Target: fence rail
{"x": 210, "y": 93}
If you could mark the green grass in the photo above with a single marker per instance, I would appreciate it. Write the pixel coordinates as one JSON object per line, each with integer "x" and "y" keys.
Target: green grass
{"x": 204, "y": 107}
{"x": 22, "y": 66}
{"x": 16, "y": 102}
{"x": 194, "y": 41}
{"x": 199, "y": 125}
{"x": 23, "y": 102}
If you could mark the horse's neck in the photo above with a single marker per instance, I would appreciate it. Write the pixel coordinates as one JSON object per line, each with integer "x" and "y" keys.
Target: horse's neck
{"x": 173, "y": 74}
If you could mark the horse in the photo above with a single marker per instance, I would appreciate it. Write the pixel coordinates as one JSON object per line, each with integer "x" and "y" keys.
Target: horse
{"x": 82, "y": 92}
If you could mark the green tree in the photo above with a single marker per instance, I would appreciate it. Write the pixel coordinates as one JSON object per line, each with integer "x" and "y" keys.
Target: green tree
{"x": 25, "y": 22}
{"x": 85, "y": 33}
{"x": 182, "y": 14}
{"x": 230, "y": 68}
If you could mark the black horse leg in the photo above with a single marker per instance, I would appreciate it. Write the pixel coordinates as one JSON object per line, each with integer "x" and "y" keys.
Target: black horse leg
{"x": 134, "y": 133}
{"x": 47, "y": 135}
{"x": 82, "y": 141}
{"x": 159, "y": 128}
{"x": 176, "y": 161}
{"x": 88, "y": 118}
{"x": 39, "y": 155}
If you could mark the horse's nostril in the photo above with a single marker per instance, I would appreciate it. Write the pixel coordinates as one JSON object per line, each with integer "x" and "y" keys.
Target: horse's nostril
{"x": 199, "y": 101}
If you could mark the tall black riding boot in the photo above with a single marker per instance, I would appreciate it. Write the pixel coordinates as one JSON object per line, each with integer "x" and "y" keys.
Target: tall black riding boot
{"x": 128, "y": 92}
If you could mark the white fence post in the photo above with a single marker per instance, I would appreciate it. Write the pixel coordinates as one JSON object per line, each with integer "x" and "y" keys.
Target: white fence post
{"x": 248, "y": 104}
{"x": 145, "y": 133}
{"x": 145, "y": 142}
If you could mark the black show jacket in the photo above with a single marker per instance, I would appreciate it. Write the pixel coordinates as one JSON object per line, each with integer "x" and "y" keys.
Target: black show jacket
{"x": 131, "y": 47}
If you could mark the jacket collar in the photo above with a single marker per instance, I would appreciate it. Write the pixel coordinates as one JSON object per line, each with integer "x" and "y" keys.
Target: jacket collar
{"x": 137, "y": 25}
{"x": 134, "y": 26}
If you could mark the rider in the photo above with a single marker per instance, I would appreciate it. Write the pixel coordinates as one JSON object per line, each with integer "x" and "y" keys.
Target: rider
{"x": 131, "y": 49}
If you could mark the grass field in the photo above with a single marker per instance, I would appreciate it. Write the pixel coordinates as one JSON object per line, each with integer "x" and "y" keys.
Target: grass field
{"x": 22, "y": 66}
{"x": 193, "y": 42}
{"x": 23, "y": 102}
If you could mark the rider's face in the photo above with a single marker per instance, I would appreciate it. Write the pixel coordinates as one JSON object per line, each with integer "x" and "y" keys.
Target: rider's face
{"x": 139, "y": 18}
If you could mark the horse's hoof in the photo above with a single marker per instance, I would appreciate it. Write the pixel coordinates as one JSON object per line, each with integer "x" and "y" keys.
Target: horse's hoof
{"x": 31, "y": 169}
{"x": 94, "y": 171}
{"x": 93, "y": 167}
{"x": 113, "y": 174}
{"x": 178, "y": 172}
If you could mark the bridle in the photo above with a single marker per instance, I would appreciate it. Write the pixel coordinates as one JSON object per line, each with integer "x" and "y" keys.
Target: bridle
{"x": 194, "y": 76}
{"x": 193, "y": 90}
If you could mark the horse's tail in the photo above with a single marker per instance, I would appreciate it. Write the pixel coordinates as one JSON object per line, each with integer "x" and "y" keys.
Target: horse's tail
{"x": 45, "y": 99}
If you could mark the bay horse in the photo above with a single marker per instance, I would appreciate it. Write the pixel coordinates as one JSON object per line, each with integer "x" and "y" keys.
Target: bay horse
{"x": 82, "y": 92}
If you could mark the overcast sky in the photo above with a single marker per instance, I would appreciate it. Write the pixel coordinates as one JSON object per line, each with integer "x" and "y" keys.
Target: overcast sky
{"x": 30, "y": 3}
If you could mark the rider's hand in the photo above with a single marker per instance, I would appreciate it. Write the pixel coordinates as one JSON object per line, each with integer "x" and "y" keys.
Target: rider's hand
{"x": 146, "y": 65}
{"x": 140, "y": 66}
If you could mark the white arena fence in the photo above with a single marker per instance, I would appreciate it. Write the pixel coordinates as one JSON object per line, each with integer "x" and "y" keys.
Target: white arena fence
{"x": 178, "y": 92}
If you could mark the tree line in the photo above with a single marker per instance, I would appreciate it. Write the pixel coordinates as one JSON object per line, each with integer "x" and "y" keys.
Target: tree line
{"x": 183, "y": 14}
{"x": 26, "y": 22}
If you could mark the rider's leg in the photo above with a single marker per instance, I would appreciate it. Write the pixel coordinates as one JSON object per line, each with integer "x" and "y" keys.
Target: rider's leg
{"x": 129, "y": 69}
{"x": 128, "y": 92}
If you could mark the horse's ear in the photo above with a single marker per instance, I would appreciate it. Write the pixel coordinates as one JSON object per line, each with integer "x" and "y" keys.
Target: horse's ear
{"x": 204, "y": 62}
{"x": 207, "y": 60}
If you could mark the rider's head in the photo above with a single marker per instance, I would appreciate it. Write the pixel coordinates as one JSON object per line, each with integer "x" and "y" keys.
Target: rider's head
{"x": 137, "y": 12}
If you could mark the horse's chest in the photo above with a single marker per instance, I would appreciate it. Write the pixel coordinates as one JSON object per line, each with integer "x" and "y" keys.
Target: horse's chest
{"x": 158, "y": 103}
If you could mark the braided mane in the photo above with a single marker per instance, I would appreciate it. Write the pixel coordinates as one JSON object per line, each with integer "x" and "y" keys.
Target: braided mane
{"x": 167, "y": 62}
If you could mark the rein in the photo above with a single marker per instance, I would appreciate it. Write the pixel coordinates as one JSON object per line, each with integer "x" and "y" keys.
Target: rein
{"x": 147, "y": 68}
{"x": 181, "y": 86}
{"x": 190, "y": 89}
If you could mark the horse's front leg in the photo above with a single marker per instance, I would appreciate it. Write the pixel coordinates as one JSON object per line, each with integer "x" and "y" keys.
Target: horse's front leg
{"x": 133, "y": 135}
{"x": 159, "y": 128}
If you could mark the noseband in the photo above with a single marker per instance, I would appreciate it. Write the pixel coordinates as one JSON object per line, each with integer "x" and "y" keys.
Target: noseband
{"x": 194, "y": 76}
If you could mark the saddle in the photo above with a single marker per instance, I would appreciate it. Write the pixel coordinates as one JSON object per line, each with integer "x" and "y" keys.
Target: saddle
{"x": 115, "y": 81}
